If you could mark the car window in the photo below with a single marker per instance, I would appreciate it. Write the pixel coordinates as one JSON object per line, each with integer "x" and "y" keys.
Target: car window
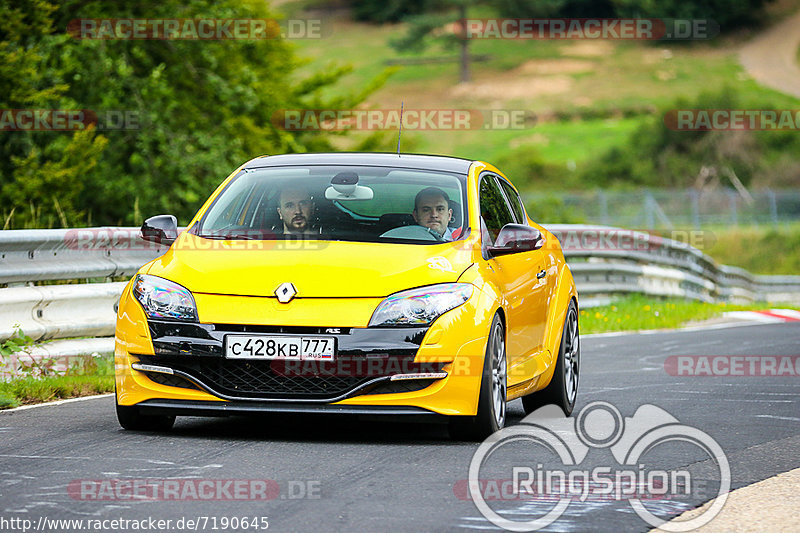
{"x": 514, "y": 201}
{"x": 495, "y": 212}
{"x": 358, "y": 203}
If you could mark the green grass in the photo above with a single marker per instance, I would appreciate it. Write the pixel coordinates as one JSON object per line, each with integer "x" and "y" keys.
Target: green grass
{"x": 549, "y": 78}
{"x": 38, "y": 390}
{"x": 556, "y": 142}
{"x": 92, "y": 376}
{"x": 637, "y": 312}
{"x": 772, "y": 250}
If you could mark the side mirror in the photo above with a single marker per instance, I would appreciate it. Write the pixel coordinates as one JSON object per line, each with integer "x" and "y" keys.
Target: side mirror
{"x": 514, "y": 238}
{"x": 160, "y": 229}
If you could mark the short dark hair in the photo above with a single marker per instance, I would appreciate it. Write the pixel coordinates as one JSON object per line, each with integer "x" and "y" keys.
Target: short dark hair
{"x": 430, "y": 191}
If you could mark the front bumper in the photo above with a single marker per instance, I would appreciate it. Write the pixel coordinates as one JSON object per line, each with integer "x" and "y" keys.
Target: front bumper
{"x": 209, "y": 408}
{"x": 181, "y": 367}
{"x": 368, "y": 361}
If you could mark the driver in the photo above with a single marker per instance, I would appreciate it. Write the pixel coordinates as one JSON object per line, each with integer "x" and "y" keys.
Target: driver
{"x": 295, "y": 207}
{"x": 432, "y": 211}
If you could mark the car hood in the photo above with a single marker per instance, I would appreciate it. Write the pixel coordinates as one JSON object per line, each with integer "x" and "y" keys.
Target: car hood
{"x": 317, "y": 269}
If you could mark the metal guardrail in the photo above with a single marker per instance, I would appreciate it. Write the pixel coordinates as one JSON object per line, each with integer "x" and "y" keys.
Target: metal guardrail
{"x": 70, "y": 254}
{"x": 605, "y": 261}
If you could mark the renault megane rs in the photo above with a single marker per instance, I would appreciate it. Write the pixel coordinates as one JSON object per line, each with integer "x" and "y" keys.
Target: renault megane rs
{"x": 378, "y": 284}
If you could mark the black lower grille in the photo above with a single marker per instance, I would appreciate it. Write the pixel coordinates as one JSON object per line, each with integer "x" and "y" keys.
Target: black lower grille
{"x": 285, "y": 379}
{"x": 170, "y": 380}
{"x": 402, "y": 385}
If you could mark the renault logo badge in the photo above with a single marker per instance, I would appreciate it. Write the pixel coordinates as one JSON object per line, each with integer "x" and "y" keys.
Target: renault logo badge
{"x": 285, "y": 292}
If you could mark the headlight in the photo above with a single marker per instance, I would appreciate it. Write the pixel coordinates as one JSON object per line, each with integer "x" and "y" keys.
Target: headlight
{"x": 420, "y": 306}
{"x": 162, "y": 298}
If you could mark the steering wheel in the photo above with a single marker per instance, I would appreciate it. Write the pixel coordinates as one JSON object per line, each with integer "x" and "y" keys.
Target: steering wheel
{"x": 420, "y": 233}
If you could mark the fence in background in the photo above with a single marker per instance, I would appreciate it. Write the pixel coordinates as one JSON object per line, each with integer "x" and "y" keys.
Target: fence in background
{"x": 605, "y": 262}
{"x": 688, "y": 208}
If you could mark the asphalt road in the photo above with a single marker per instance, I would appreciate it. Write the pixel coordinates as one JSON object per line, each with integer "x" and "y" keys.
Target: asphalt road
{"x": 341, "y": 474}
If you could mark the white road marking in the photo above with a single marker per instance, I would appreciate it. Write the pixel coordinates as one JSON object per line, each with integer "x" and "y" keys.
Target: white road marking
{"x": 59, "y": 402}
{"x": 791, "y": 418}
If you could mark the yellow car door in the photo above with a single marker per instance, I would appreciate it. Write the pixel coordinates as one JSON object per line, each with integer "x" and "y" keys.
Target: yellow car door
{"x": 519, "y": 278}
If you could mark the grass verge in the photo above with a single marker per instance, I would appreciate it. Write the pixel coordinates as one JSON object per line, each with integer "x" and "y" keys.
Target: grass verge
{"x": 636, "y": 312}
{"x": 31, "y": 390}
{"x": 772, "y": 250}
{"x": 85, "y": 377}
{"x": 550, "y": 78}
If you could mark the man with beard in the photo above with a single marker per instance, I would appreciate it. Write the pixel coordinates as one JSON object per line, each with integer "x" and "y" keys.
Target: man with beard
{"x": 296, "y": 207}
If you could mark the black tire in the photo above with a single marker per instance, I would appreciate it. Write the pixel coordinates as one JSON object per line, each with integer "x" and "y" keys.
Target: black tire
{"x": 491, "y": 415}
{"x": 563, "y": 387}
{"x": 131, "y": 419}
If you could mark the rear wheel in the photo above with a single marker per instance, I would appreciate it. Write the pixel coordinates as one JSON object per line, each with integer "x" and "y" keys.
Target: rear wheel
{"x": 491, "y": 415}
{"x": 563, "y": 387}
{"x": 130, "y": 418}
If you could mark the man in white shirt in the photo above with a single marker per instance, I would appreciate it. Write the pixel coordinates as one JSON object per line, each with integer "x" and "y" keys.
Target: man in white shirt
{"x": 432, "y": 211}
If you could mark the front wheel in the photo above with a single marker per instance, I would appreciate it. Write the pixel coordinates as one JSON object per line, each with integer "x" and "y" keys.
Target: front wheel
{"x": 491, "y": 415}
{"x": 130, "y": 418}
{"x": 563, "y": 387}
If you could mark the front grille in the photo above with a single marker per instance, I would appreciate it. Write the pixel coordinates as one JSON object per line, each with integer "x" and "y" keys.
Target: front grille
{"x": 281, "y": 379}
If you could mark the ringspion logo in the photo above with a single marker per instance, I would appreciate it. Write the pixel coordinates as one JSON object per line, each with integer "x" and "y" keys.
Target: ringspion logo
{"x": 599, "y": 425}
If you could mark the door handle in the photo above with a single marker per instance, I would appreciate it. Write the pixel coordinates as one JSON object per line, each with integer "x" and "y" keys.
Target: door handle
{"x": 541, "y": 274}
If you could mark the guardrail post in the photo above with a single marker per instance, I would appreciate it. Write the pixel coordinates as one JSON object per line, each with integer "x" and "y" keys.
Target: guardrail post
{"x": 773, "y": 206}
{"x": 694, "y": 197}
{"x": 734, "y": 210}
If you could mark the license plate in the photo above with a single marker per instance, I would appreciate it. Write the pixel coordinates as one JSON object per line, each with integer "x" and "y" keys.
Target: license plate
{"x": 282, "y": 347}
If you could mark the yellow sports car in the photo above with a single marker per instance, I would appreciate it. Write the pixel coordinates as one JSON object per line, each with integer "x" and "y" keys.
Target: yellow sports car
{"x": 351, "y": 283}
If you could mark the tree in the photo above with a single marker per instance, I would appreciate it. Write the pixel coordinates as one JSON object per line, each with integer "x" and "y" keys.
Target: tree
{"x": 435, "y": 25}
{"x": 387, "y": 11}
{"x": 201, "y": 108}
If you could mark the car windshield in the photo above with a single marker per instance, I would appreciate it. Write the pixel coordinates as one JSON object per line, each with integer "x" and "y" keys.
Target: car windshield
{"x": 341, "y": 203}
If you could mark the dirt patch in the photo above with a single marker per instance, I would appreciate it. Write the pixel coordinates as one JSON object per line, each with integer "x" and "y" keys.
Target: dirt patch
{"x": 656, "y": 56}
{"x": 511, "y": 88}
{"x": 555, "y": 66}
{"x": 536, "y": 138}
{"x": 588, "y": 49}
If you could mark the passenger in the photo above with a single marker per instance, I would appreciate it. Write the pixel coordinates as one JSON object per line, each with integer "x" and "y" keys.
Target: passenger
{"x": 432, "y": 211}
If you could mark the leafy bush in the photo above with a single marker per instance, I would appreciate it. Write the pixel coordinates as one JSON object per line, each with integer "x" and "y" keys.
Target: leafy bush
{"x": 387, "y": 11}
{"x": 726, "y": 13}
{"x": 201, "y": 108}
{"x": 16, "y": 343}
{"x": 658, "y": 156}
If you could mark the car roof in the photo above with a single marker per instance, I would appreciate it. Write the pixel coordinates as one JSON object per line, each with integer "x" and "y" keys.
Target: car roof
{"x": 415, "y": 161}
